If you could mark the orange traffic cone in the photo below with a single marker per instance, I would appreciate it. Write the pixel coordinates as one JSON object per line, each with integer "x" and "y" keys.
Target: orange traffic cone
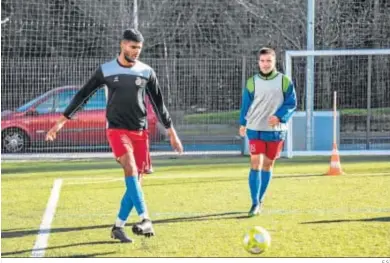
{"x": 335, "y": 165}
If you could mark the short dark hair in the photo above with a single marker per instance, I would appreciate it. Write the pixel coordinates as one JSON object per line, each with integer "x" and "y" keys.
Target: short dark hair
{"x": 132, "y": 35}
{"x": 266, "y": 51}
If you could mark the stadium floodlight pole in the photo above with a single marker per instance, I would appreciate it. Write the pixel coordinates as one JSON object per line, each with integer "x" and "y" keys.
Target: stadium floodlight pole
{"x": 310, "y": 74}
{"x": 135, "y": 14}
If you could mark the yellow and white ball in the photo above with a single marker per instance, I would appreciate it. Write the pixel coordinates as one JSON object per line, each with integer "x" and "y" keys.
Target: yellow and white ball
{"x": 257, "y": 240}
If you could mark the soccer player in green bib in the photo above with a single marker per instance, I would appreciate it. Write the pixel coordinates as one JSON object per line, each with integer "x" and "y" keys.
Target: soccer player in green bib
{"x": 268, "y": 102}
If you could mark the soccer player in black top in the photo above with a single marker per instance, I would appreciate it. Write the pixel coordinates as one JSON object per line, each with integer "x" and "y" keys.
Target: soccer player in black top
{"x": 128, "y": 81}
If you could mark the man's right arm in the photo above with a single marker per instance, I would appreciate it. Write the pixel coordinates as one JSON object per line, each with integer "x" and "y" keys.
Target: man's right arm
{"x": 85, "y": 93}
{"x": 247, "y": 99}
{"x": 78, "y": 101}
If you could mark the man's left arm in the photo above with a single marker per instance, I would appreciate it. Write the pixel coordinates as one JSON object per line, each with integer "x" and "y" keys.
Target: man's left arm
{"x": 289, "y": 105}
{"x": 156, "y": 98}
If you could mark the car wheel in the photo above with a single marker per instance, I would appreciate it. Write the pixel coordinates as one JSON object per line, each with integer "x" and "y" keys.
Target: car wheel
{"x": 14, "y": 140}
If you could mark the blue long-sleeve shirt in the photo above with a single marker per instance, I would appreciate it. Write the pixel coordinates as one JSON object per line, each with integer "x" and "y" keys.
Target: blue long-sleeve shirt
{"x": 264, "y": 97}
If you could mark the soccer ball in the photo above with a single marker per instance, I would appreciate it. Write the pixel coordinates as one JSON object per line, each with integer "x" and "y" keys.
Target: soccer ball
{"x": 257, "y": 240}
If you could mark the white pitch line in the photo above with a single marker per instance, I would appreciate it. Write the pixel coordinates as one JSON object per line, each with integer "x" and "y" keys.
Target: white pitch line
{"x": 44, "y": 229}
{"x": 83, "y": 181}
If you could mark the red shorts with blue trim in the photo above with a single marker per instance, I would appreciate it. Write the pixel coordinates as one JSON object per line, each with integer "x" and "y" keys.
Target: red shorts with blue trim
{"x": 135, "y": 142}
{"x": 270, "y": 149}
{"x": 268, "y": 143}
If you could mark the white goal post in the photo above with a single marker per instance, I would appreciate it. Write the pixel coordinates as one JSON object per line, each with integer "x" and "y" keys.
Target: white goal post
{"x": 367, "y": 54}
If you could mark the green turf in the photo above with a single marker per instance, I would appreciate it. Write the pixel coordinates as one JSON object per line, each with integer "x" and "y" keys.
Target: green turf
{"x": 213, "y": 117}
{"x": 199, "y": 207}
{"x": 363, "y": 112}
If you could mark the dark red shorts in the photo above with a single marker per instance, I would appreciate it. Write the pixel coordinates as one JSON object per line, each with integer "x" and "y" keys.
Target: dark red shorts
{"x": 270, "y": 149}
{"x": 135, "y": 142}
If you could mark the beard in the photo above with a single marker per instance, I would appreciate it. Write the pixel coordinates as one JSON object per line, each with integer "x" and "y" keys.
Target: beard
{"x": 266, "y": 71}
{"x": 128, "y": 58}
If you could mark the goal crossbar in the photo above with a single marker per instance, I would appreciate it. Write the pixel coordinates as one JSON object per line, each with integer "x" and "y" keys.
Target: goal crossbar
{"x": 289, "y": 54}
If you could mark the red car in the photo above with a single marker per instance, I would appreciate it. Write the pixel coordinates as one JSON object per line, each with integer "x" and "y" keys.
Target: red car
{"x": 27, "y": 125}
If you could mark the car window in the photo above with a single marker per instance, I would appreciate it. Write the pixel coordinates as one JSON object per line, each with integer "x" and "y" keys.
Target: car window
{"x": 63, "y": 99}
{"x": 46, "y": 106}
{"x": 31, "y": 103}
{"x": 97, "y": 101}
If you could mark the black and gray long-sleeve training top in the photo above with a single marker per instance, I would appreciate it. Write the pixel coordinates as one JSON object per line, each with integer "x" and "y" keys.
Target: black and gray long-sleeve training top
{"x": 127, "y": 87}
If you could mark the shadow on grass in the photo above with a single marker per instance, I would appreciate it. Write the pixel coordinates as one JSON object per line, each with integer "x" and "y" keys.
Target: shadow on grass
{"x": 374, "y": 219}
{"x": 90, "y": 255}
{"x": 216, "y": 216}
{"x": 9, "y": 254}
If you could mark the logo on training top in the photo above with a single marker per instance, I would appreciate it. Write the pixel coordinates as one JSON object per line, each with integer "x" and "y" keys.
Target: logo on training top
{"x": 140, "y": 82}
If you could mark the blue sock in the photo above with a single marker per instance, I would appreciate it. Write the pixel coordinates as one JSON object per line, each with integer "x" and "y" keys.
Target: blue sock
{"x": 126, "y": 206}
{"x": 254, "y": 185}
{"x": 265, "y": 179}
{"x": 136, "y": 194}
